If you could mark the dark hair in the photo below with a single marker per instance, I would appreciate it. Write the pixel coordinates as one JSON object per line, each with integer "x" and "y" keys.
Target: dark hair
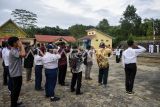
{"x": 38, "y": 45}
{"x": 74, "y": 47}
{"x": 88, "y": 47}
{"x": 4, "y": 44}
{"x": 12, "y": 40}
{"x": 130, "y": 42}
{"x": 102, "y": 45}
{"x": 35, "y": 51}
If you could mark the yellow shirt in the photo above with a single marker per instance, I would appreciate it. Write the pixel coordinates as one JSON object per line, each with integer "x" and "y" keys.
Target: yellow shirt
{"x": 102, "y": 55}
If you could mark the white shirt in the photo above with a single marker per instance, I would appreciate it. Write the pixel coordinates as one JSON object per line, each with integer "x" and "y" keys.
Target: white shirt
{"x": 50, "y": 61}
{"x": 5, "y": 56}
{"x": 130, "y": 55}
{"x": 38, "y": 60}
{"x": 118, "y": 51}
{"x": 89, "y": 55}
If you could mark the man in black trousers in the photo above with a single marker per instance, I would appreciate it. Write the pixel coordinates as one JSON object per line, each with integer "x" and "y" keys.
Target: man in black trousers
{"x": 129, "y": 60}
{"x": 15, "y": 68}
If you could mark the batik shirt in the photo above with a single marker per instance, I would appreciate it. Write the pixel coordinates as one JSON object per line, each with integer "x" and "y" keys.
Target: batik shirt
{"x": 102, "y": 55}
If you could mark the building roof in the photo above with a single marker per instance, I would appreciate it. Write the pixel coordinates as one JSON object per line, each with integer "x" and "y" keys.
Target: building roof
{"x": 90, "y": 37}
{"x": 53, "y": 38}
{"x": 10, "y": 20}
{"x": 99, "y": 32}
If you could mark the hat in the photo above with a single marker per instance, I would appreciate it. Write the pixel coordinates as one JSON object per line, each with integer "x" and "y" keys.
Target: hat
{"x": 49, "y": 47}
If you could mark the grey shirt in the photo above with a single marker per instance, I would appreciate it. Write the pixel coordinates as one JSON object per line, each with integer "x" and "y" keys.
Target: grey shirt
{"x": 15, "y": 63}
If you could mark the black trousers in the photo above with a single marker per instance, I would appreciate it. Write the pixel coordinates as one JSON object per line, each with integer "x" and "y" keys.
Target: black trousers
{"x": 103, "y": 75}
{"x": 130, "y": 72}
{"x": 5, "y": 74}
{"x": 16, "y": 88}
{"x": 62, "y": 74}
{"x": 118, "y": 58}
{"x": 76, "y": 78}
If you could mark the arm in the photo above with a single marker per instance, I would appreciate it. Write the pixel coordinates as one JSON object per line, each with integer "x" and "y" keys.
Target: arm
{"x": 30, "y": 51}
{"x": 21, "y": 49}
{"x": 123, "y": 64}
{"x": 139, "y": 50}
{"x": 56, "y": 55}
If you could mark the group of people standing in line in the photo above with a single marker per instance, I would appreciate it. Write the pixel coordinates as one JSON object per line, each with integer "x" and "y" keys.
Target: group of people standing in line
{"x": 54, "y": 59}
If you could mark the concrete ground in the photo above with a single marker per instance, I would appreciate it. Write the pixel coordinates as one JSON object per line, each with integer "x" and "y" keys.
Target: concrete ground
{"x": 147, "y": 89}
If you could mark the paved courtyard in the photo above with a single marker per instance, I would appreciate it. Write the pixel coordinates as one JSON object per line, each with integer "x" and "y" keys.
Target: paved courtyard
{"x": 147, "y": 89}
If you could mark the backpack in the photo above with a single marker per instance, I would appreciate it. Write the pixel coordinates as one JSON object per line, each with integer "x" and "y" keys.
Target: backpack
{"x": 73, "y": 62}
{"x": 85, "y": 58}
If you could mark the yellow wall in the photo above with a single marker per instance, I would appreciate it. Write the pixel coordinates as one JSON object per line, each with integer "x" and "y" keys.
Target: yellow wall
{"x": 99, "y": 37}
{"x": 10, "y": 29}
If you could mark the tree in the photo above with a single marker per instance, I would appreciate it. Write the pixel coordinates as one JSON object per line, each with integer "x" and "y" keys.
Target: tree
{"x": 79, "y": 31}
{"x": 103, "y": 26}
{"x": 130, "y": 22}
{"x": 24, "y": 18}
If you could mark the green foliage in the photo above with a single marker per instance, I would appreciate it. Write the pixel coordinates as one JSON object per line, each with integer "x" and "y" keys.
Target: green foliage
{"x": 79, "y": 31}
{"x": 130, "y": 23}
{"x": 103, "y": 26}
{"x": 130, "y": 26}
{"x": 46, "y": 31}
{"x": 130, "y": 38}
{"x": 24, "y": 18}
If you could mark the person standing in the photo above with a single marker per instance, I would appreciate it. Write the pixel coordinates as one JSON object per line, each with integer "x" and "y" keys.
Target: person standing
{"x": 117, "y": 55}
{"x": 5, "y": 76}
{"x": 28, "y": 63}
{"x": 62, "y": 63}
{"x": 129, "y": 60}
{"x": 76, "y": 64}
{"x": 5, "y": 57}
{"x": 50, "y": 62}
{"x": 152, "y": 48}
{"x": 38, "y": 69}
{"x": 16, "y": 54}
{"x": 88, "y": 62}
{"x": 102, "y": 55}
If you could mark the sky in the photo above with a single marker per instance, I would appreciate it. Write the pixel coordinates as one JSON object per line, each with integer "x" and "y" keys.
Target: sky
{"x": 65, "y": 13}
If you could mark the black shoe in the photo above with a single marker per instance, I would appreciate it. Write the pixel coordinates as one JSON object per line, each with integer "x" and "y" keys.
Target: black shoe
{"x": 79, "y": 93}
{"x": 54, "y": 99}
{"x": 100, "y": 84}
{"x": 89, "y": 78}
{"x": 130, "y": 92}
{"x": 72, "y": 90}
{"x": 5, "y": 84}
{"x": 64, "y": 84}
{"x": 19, "y": 103}
{"x": 39, "y": 89}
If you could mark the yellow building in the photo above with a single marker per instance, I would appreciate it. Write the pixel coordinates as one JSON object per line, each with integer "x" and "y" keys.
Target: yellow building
{"x": 9, "y": 29}
{"x": 95, "y": 37}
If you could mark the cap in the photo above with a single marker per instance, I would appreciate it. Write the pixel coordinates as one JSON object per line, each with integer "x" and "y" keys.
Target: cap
{"x": 50, "y": 47}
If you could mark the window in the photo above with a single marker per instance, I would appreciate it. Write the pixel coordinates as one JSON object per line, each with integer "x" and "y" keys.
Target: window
{"x": 106, "y": 40}
{"x": 97, "y": 40}
{"x": 102, "y": 40}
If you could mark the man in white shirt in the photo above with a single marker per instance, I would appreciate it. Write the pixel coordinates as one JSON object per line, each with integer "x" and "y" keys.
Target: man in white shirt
{"x": 118, "y": 51}
{"x": 129, "y": 59}
{"x": 88, "y": 62}
{"x": 157, "y": 48}
{"x": 50, "y": 63}
{"x": 5, "y": 57}
{"x": 152, "y": 48}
